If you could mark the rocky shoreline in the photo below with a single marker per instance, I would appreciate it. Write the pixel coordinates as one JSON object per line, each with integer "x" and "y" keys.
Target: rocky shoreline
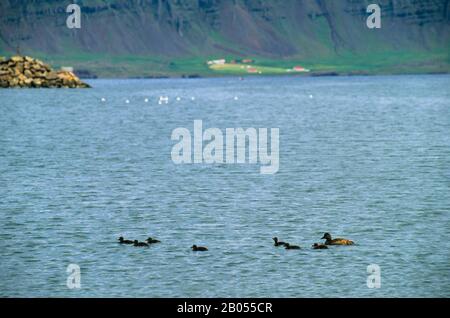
{"x": 27, "y": 72}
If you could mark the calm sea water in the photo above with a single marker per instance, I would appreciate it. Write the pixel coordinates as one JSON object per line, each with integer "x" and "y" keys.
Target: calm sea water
{"x": 367, "y": 158}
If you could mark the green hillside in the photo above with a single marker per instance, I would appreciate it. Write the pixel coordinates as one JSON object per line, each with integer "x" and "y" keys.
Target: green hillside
{"x": 150, "y": 38}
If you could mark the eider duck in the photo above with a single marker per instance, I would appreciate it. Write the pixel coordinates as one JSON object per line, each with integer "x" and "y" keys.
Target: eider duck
{"x": 152, "y": 241}
{"x": 291, "y": 247}
{"x": 196, "y": 248}
{"x": 336, "y": 241}
{"x": 140, "y": 244}
{"x": 319, "y": 246}
{"x": 278, "y": 243}
{"x": 123, "y": 241}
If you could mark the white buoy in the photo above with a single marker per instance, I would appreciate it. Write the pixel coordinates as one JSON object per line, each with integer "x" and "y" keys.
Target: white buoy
{"x": 236, "y": 98}
{"x": 310, "y": 96}
{"x": 178, "y": 98}
{"x": 146, "y": 100}
{"x": 193, "y": 98}
{"x": 103, "y": 99}
{"x": 127, "y": 101}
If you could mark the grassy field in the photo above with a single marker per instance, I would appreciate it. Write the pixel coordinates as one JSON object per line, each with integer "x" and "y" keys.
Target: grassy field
{"x": 107, "y": 66}
{"x": 246, "y": 69}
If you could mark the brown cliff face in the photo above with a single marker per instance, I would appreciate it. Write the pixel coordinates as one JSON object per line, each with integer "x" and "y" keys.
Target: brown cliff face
{"x": 158, "y": 37}
{"x": 24, "y": 71}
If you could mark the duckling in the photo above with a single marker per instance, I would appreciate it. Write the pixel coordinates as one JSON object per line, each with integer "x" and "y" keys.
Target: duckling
{"x": 336, "y": 241}
{"x": 278, "y": 243}
{"x": 319, "y": 246}
{"x": 140, "y": 244}
{"x": 152, "y": 241}
{"x": 196, "y": 248}
{"x": 291, "y": 247}
{"x": 123, "y": 241}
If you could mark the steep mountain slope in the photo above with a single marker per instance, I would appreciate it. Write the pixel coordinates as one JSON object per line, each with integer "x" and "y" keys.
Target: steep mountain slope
{"x": 148, "y": 37}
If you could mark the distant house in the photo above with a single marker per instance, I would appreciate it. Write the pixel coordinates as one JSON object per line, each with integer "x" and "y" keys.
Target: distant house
{"x": 300, "y": 69}
{"x": 217, "y": 62}
{"x": 247, "y": 61}
{"x": 252, "y": 70}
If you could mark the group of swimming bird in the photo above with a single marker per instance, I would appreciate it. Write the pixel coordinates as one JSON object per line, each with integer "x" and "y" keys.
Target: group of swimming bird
{"x": 137, "y": 243}
{"x": 317, "y": 246}
{"x": 151, "y": 240}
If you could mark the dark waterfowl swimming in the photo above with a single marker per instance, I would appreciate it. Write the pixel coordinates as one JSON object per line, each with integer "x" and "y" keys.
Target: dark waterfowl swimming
{"x": 278, "y": 243}
{"x": 337, "y": 241}
{"x": 123, "y": 241}
{"x": 140, "y": 244}
{"x": 291, "y": 247}
{"x": 319, "y": 246}
{"x": 196, "y": 248}
{"x": 152, "y": 241}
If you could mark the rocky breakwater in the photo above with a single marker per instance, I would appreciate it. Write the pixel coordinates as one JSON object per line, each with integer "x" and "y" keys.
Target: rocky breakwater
{"x": 24, "y": 71}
